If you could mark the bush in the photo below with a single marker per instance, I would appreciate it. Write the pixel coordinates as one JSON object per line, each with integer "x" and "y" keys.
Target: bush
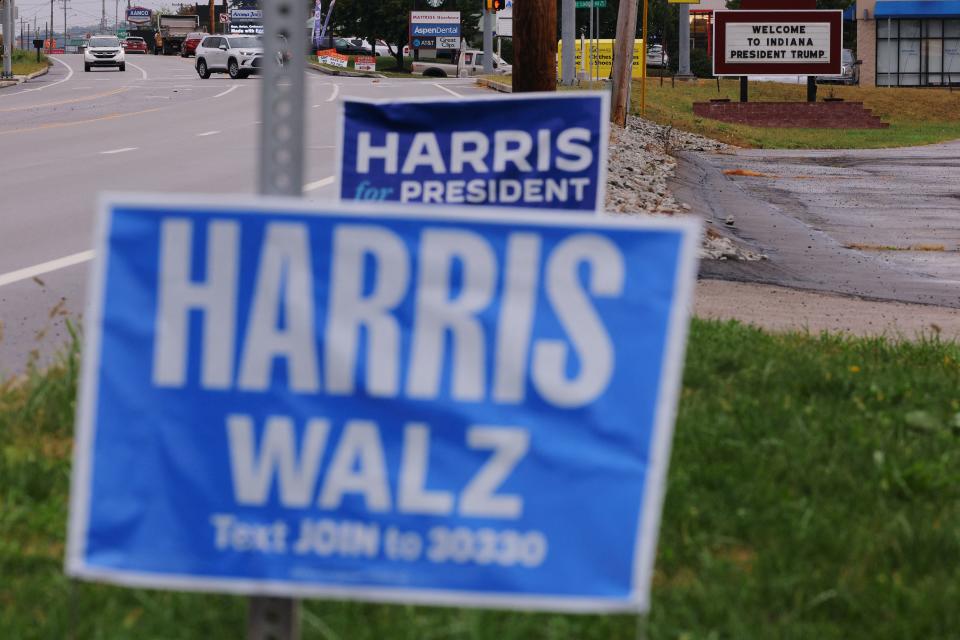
{"x": 700, "y": 64}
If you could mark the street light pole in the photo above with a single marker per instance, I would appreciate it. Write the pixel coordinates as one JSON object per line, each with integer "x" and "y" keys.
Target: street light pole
{"x": 568, "y": 32}
{"x": 7, "y": 41}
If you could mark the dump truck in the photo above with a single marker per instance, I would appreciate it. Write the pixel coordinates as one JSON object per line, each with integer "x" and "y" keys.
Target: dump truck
{"x": 174, "y": 30}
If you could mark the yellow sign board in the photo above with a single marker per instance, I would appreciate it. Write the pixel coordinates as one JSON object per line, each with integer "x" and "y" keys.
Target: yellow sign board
{"x": 603, "y": 57}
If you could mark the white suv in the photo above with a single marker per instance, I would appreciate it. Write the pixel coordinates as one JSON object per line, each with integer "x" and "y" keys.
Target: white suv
{"x": 238, "y": 56}
{"x": 104, "y": 51}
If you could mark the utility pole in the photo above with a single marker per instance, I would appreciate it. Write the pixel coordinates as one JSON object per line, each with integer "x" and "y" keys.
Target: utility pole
{"x": 51, "y": 26}
{"x": 568, "y": 32}
{"x": 213, "y": 24}
{"x": 535, "y": 35}
{"x": 623, "y": 60}
{"x": 103, "y": 16}
{"x": 66, "y": 38}
{"x": 683, "y": 69}
{"x": 7, "y": 40}
{"x": 487, "y": 40}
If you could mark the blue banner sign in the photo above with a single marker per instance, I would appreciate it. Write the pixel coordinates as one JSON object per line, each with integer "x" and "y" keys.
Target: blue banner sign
{"x": 540, "y": 150}
{"x": 458, "y": 407}
{"x": 434, "y": 30}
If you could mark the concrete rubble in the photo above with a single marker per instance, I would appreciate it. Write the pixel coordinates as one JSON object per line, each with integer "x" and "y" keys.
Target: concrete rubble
{"x": 641, "y": 163}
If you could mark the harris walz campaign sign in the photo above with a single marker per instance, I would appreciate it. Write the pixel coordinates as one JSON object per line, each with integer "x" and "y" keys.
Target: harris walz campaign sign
{"x": 540, "y": 150}
{"x": 379, "y": 402}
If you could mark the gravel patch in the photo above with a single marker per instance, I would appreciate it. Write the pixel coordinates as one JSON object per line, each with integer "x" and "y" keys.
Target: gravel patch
{"x": 641, "y": 162}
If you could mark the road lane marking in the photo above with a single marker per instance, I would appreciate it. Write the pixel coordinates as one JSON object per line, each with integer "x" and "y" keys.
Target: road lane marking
{"x": 60, "y": 125}
{"x": 143, "y": 72}
{"x": 207, "y": 133}
{"x": 121, "y": 150}
{"x": 336, "y": 92}
{"x": 223, "y": 93}
{"x": 62, "y": 102}
{"x": 45, "y": 267}
{"x": 450, "y": 91}
{"x": 47, "y": 86}
{"x": 318, "y": 184}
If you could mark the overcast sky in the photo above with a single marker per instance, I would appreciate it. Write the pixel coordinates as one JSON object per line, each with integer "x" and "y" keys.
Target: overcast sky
{"x": 83, "y": 12}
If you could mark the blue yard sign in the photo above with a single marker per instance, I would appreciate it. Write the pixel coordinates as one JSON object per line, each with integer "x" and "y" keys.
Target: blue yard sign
{"x": 540, "y": 150}
{"x": 460, "y": 407}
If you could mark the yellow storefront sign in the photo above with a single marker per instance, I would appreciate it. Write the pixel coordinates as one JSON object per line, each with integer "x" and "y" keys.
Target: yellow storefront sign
{"x": 603, "y": 57}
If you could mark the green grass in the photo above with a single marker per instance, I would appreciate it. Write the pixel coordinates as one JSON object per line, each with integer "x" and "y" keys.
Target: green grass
{"x": 25, "y": 62}
{"x": 916, "y": 116}
{"x": 814, "y": 493}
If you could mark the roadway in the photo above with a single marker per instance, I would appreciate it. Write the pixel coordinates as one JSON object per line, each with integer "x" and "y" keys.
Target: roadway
{"x": 156, "y": 127}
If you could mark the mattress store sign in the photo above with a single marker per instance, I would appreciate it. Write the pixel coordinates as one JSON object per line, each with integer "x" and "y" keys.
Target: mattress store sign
{"x": 434, "y": 24}
{"x": 777, "y": 42}
{"x": 457, "y": 407}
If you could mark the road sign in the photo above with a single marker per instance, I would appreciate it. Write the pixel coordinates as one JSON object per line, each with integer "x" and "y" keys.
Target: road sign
{"x": 457, "y": 407}
{"x": 527, "y": 150}
{"x": 591, "y": 4}
{"x": 224, "y": 18}
{"x": 777, "y": 43}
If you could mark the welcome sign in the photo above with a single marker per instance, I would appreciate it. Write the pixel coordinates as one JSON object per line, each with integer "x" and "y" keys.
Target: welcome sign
{"x": 777, "y": 43}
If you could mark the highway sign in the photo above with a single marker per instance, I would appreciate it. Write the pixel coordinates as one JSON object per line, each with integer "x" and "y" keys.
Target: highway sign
{"x": 591, "y": 4}
{"x": 540, "y": 150}
{"x": 771, "y": 42}
{"x": 443, "y": 406}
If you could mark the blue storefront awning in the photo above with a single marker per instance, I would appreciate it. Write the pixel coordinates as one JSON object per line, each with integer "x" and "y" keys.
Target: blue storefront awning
{"x": 850, "y": 13}
{"x": 917, "y": 9}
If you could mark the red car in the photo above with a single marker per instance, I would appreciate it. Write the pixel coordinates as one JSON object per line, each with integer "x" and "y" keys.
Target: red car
{"x": 190, "y": 44}
{"x": 135, "y": 45}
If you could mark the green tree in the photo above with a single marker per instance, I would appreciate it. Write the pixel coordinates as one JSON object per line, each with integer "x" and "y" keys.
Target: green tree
{"x": 388, "y": 20}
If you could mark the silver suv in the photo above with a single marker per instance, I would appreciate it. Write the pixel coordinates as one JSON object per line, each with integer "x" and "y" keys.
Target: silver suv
{"x": 238, "y": 56}
{"x": 104, "y": 51}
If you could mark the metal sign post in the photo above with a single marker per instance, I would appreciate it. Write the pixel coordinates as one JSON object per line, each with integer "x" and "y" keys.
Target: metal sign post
{"x": 281, "y": 174}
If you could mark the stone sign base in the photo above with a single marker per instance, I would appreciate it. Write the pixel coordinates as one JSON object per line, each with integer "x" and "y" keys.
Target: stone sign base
{"x": 805, "y": 115}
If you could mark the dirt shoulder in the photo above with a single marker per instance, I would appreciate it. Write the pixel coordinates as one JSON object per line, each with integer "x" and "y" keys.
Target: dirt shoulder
{"x": 776, "y": 308}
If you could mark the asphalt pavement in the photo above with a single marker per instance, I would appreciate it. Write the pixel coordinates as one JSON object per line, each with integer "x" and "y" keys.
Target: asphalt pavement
{"x": 876, "y": 223}
{"x": 157, "y": 127}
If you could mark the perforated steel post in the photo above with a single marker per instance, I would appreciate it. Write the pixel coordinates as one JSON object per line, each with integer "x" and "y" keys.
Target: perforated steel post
{"x": 282, "y": 99}
{"x": 281, "y": 174}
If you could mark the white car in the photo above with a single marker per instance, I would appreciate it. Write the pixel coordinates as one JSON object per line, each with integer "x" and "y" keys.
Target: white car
{"x": 104, "y": 51}
{"x": 237, "y": 56}
{"x": 380, "y": 49}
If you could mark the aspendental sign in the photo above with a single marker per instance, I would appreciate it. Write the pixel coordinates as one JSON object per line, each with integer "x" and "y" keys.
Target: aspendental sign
{"x": 777, "y": 43}
{"x": 426, "y": 405}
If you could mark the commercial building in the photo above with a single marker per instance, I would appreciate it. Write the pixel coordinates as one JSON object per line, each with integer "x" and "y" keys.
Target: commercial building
{"x": 908, "y": 43}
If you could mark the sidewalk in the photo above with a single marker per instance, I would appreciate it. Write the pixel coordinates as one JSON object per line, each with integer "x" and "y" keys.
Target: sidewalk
{"x": 783, "y": 309}
{"x": 21, "y": 79}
